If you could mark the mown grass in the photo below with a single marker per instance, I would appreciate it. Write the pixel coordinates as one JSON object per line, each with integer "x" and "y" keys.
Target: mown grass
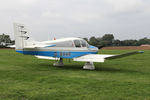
{"x": 27, "y": 78}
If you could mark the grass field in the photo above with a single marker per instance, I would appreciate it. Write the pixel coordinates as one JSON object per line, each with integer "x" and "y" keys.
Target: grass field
{"x": 27, "y": 78}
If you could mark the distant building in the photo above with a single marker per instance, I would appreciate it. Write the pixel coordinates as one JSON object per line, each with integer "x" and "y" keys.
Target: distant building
{"x": 145, "y": 45}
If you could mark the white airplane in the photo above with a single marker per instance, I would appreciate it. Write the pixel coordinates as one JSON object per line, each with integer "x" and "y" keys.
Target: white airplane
{"x": 70, "y": 48}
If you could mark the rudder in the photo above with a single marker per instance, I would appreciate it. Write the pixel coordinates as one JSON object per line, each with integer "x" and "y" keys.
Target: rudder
{"x": 21, "y": 36}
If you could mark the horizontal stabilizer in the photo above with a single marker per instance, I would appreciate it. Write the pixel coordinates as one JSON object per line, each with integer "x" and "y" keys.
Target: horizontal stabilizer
{"x": 92, "y": 58}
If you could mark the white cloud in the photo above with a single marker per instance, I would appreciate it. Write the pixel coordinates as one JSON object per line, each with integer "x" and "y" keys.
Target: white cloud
{"x": 76, "y": 16}
{"x": 125, "y": 5}
{"x": 27, "y": 2}
{"x": 51, "y": 15}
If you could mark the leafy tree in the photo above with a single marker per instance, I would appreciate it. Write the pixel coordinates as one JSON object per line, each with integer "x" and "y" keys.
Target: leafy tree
{"x": 86, "y": 39}
{"x": 93, "y": 41}
{"x": 144, "y": 41}
{"x": 129, "y": 43}
{"x": 107, "y": 39}
{"x": 4, "y": 40}
{"x": 116, "y": 43}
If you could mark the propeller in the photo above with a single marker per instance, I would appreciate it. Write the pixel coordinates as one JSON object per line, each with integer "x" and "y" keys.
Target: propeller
{"x": 100, "y": 46}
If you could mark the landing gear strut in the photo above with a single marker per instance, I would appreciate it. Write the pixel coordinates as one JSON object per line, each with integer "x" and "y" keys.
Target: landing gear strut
{"x": 59, "y": 63}
{"x": 89, "y": 65}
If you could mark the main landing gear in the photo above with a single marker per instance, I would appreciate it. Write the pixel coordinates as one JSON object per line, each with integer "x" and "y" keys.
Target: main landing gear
{"x": 59, "y": 63}
{"x": 87, "y": 65}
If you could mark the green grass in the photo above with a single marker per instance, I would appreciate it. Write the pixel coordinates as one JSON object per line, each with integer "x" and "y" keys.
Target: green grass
{"x": 27, "y": 78}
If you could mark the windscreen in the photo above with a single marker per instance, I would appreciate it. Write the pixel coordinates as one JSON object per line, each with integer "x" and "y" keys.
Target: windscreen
{"x": 83, "y": 43}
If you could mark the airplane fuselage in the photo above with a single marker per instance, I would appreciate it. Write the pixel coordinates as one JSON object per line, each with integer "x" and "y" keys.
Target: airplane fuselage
{"x": 68, "y": 49}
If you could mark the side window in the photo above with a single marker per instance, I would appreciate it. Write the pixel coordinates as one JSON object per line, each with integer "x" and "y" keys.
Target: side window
{"x": 83, "y": 43}
{"x": 64, "y": 44}
{"x": 77, "y": 43}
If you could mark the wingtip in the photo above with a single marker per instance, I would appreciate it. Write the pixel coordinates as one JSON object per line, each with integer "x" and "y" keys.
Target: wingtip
{"x": 141, "y": 51}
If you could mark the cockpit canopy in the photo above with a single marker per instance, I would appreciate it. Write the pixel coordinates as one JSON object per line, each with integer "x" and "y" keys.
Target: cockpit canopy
{"x": 78, "y": 43}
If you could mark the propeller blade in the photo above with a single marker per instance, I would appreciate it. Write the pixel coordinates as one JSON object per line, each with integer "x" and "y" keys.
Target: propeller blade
{"x": 100, "y": 46}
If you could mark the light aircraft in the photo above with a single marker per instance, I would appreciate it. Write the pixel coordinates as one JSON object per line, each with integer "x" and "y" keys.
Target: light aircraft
{"x": 71, "y": 48}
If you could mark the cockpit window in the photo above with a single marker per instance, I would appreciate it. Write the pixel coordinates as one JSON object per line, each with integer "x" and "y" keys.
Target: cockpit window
{"x": 77, "y": 43}
{"x": 83, "y": 43}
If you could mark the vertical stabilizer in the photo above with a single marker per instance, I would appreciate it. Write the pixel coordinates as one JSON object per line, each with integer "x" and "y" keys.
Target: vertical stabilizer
{"x": 21, "y": 36}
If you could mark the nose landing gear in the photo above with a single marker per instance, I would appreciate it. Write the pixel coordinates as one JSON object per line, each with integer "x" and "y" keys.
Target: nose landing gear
{"x": 89, "y": 66}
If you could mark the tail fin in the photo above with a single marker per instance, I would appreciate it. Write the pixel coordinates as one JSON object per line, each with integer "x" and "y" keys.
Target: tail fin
{"x": 21, "y": 36}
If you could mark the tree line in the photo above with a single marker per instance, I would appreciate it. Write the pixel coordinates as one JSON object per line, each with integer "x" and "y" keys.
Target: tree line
{"x": 106, "y": 40}
{"x": 109, "y": 40}
{"x": 5, "y": 41}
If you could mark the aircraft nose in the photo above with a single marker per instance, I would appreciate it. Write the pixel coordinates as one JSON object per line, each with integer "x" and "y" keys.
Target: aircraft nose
{"x": 93, "y": 48}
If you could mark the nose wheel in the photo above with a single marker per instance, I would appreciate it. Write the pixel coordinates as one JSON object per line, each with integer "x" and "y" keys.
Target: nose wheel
{"x": 59, "y": 63}
{"x": 89, "y": 66}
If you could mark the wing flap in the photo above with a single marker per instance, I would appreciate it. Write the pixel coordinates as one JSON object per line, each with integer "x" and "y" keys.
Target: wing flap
{"x": 45, "y": 57}
{"x": 92, "y": 58}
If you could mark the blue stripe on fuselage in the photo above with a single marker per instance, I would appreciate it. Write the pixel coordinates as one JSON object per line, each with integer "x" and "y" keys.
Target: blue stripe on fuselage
{"x": 59, "y": 54}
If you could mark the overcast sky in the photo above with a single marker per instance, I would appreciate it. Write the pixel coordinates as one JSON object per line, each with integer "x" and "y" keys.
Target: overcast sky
{"x": 46, "y": 19}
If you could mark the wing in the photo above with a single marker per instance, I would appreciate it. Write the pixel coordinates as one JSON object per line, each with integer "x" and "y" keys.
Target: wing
{"x": 103, "y": 57}
{"x": 45, "y": 57}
